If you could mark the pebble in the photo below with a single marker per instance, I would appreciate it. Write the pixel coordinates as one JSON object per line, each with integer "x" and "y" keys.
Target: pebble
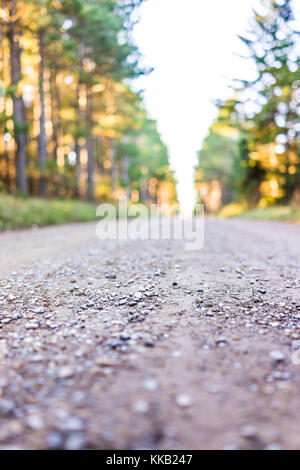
{"x": 111, "y": 276}
{"x": 39, "y": 310}
{"x": 150, "y": 385}
{"x": 54, "y": 440}
{"x": 35, "y": 422}
{"x": 75, "y": 441}
{"x": 125, "y": 336}
{"x": 249, "y": 431}
{"x": 141, "y": 406}
{"x": 6, "y": 406}
{"x": 183, "y": 400}
{"x": 277, "y": 356}
{"x": 176, "y": 353}
{"x": 66, "y": 372}
{"x": 138, "y": 296}
{"x": 71, "y": 424}
{"x": 31, "y": 325}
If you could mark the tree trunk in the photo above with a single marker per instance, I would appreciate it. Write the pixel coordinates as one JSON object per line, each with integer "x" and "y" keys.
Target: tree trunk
{"x": 18, "y": 104}
{"x": 89, "y": 146}
{"x": 125, "y": 174}
{"x": 54, "y": 117}
{"x": 7, "y": 174}
{"x": 77, "y": 144}
{"x": 144, "y": 193}
{"x": 42, "y": 142}
{"x": 114, "y": 168}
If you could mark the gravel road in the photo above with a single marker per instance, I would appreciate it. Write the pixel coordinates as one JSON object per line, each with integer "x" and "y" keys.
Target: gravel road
{"x": 141, "y": 344}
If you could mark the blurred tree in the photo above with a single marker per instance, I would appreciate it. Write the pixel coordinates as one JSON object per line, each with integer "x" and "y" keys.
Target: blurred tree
{"x": 265, "y": 109}
{"x": 11, "y": 14}
{"x": 86, "y": 132}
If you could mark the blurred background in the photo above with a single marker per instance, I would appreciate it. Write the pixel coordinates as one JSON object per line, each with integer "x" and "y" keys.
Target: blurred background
{"x": 71, "y": 126}
{"x": 251, "y": 155}
{"x": 84, "y": 119}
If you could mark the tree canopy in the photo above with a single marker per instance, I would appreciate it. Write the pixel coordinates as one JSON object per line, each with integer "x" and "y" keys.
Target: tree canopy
{"x": 264, "y": 111}
{"x": 71, "y": 124}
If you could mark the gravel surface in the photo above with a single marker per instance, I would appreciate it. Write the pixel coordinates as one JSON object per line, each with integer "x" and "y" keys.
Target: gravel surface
{"x": 141, "y": 344}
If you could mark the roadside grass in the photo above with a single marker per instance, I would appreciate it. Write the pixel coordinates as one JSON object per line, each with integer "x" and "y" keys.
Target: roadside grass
{"x": 264, "y": 213}
{"x": 18, "y": 212}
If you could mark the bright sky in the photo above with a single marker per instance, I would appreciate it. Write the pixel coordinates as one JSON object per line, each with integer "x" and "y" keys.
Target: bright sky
{"x": 192, "y": 45}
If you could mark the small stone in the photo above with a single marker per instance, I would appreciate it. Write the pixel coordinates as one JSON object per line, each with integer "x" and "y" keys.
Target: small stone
{"x": 71, "y": 424}
{"x": 11, "y": 297}
{"x": 262, "y": 291}
{"x": 249, "y": 432}
{"x": 111, "y": 276}
{"x": 124, "y": 336}
{"x": 138, "y": 296}
{"x": 150, "y": 385}
{"x": 31, "y": 325}
{"x": 149, "y": 343}
{"x": 39, "y": 310}
{"x": 17, "y": 316}
{"x": 221, "y": 342}
{"x": 66, "y": 372}
{"x": 176, "y": 353}
{"x": 54, "y": 440}
{"x": 6, "y": 406}
{"x": 35, "y": 422}
{"x": 141, "y": 406}
{"x": 184, "y": 400}
{"x": 79, "y": 398}
{"x": 75, "y": 441}
{"x": 277, "y": 356}
{"x": 114, "y": 344}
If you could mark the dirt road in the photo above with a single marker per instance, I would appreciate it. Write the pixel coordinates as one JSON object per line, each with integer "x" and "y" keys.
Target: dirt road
{"x": 141, "y": 344}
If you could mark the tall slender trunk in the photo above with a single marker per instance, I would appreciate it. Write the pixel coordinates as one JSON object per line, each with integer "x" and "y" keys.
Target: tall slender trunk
{"x": 125, "y": 174}
{"x": 144, "y": 192}
{"x": 114, "y": 168}
{"x": 7, "y": 172}
{"x": 77, "y": 142}
{"x": 80, "y": 120}
{"x": 42, "y": 142}
{"x": 78, "y": 167}
{"x": 54, "y": 118}
{"x": 89, "y": 145}
{"x": 18, "y": 103}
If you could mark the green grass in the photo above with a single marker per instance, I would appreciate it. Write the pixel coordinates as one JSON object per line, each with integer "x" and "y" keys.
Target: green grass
{"x": 273, "y": 213}
{"x": 17, "y": 212}
{"x": 263, "y": 213}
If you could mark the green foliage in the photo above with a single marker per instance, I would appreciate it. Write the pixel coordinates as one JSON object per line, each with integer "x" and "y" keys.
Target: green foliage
{"x": 146, "y": 149}
{"x": 217, "y": 157}
{"x": 265, "y": 112}
{"x": 81, "y": 60}
{"x": 17, "y": 212}
{"x": 272, "y": 213}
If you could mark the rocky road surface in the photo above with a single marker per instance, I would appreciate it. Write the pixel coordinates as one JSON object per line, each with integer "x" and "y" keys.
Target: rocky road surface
{"x": 141, "y": 344}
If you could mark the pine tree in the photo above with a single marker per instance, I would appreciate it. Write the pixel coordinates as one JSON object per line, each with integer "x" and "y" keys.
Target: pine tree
{"x": 14, "y": 31}
{"x": 263, "y": 109}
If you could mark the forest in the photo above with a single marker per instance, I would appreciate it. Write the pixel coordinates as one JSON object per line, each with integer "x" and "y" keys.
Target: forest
{"x": 251, "y": 155}
{"x": 72, "y": 126}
